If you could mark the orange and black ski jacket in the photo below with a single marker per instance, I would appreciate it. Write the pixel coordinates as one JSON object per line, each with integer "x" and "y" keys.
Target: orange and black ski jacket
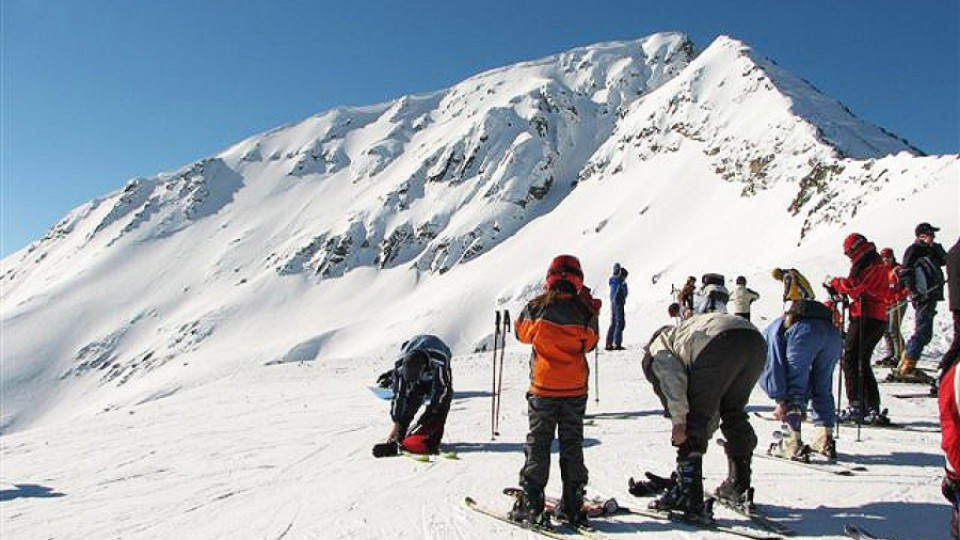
{"x": 561, "y": 333}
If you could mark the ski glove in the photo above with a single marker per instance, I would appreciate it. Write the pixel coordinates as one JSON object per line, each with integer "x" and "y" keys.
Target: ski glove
{"x": 653, "y": 485}
{"x": 385, "y": 380}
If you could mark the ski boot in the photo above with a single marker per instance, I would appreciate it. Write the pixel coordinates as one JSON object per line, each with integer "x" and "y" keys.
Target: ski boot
{"x": 653, "y": 485}
{"x": 686, "y": 496}
{"x": 876, "y": 417}
{"x": 851, "y": 415}
{"x": 528, "y": 508}
{"x": 789, "y": 445}
{"x": 736, "y": 488}
{"x": 824, "y": 443}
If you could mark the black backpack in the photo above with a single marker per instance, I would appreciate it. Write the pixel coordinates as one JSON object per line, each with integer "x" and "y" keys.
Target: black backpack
{"x": 923, "y": 278}
{"x": 810, "y": 309}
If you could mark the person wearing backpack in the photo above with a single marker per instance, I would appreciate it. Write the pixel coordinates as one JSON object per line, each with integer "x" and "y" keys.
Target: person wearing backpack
{"x": 922, "y": 276}
{"x": 712, "y": 296}
{"x": 618, "y": 299}
{"x": 803, "y": 347}
{"x": 561, "y": 324}
{"x": 895, "y": 311}
{"x": 742, "y": 297}
{"x": 421, "y": 375}
{"x": 868, "y": 287}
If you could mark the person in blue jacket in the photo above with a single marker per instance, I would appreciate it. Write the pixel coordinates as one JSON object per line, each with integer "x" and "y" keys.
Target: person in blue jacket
{"x": 803, "y": 347}
{"x": 618, "y": 297}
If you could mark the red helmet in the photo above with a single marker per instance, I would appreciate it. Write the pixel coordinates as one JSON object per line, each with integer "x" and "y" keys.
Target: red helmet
{"x": 886, "y": 253}
{"x": 856, "y": 245}
{"x": 565, "y": 268}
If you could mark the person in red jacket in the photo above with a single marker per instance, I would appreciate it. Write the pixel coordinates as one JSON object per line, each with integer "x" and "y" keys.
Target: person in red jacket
{"x": 895, "y": 311}
{"x": 562, "y": 325}
{"x": 867, "y": 286}
{"x": 949, "y": 399}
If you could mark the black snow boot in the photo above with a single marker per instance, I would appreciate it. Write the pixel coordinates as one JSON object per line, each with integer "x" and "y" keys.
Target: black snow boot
{"x": 686, "y": 496}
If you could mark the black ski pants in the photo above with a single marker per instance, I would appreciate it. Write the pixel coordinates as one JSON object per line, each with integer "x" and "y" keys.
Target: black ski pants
{"x": 547, "y": 415}
{"x": 856, "y": 360}
{"x": 719, "y": 384}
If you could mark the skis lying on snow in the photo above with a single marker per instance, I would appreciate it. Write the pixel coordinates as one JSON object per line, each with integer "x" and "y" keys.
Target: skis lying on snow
{"x": 916, "y": 395}
{"x": 559, "y": 531}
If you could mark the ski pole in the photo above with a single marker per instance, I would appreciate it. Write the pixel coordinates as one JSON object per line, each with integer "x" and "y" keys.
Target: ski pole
{"x": 503, "y": 348}
{"x": 596, "y": 373}
{"x": 843, "y": 339}
{"x": 493, "y": 383}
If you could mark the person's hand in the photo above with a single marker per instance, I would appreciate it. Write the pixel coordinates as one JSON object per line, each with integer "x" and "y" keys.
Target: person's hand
{"x": 679, "y": 434}
{"x": 780, "y": 411}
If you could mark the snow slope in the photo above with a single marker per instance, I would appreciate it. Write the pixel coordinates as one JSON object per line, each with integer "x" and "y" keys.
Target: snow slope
{"x": 174, "y": 350}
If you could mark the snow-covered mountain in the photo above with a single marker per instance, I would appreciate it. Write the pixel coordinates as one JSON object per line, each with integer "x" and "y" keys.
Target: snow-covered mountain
{"x": 340, "y": 236}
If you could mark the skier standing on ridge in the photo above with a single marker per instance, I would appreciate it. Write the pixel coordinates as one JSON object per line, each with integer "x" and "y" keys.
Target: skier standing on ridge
{"x": 742, "y": 297}
{"x": 922, "y": 259}
{"x": 703, "y": 369}
{"x": 803, "y": 348}
{"x": 562, "y": 325}
{"x": 421, "y": 374}
{"x": 867, "y": 285}
{"x": 685, "y": 297}
{"x": 618, "y": 298}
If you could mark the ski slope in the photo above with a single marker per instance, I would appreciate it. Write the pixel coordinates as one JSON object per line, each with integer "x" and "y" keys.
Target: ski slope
{"x": 283, "y": 451}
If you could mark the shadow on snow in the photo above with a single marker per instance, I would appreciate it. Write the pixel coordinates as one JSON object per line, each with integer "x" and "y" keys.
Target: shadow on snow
{"x": 28, "y": 491}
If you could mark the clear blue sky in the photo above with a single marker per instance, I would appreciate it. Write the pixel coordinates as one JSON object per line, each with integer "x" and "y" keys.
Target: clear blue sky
{"x": 95, "y": 92}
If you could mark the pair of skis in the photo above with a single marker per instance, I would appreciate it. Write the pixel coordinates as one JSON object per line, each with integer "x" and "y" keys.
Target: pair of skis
{"x": 598, "y": 509}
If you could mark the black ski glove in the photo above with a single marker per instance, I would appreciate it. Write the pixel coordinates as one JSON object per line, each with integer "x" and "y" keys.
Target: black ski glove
{"x": 385, "y": 380}
{"x": 653, "y": 485}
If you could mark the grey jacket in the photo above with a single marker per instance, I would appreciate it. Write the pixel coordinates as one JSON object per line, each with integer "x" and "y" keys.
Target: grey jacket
{"x": 676, "y": 350}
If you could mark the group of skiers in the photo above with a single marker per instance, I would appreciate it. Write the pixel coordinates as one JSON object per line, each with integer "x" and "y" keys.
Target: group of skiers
{"x": 793, "y": 360}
